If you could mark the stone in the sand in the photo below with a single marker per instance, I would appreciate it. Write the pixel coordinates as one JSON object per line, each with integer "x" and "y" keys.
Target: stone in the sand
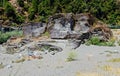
{"x": 49, "y": 48}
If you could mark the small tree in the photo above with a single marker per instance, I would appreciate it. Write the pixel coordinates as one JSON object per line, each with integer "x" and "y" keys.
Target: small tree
{"x": 9, "y": 10}
{"x": 21, "y": 3}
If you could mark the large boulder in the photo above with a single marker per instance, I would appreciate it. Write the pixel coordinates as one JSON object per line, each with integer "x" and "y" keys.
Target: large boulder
{"x": 34, "y": 29}
{"x": 60, "y": 25}
{"x": 69, "y": 25}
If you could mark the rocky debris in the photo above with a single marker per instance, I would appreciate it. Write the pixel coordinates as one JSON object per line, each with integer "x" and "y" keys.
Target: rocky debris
{"x": 12, "y": 48}
{"x": 37, "y": 51}
{"x": 34, "y": 29}
{"x": 49, "y": 47}
{"x": 25, "y": 41}
{"x": 101, "y": 31}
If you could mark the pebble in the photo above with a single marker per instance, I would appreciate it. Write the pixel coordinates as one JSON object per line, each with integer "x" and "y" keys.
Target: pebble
{"x": 9, "y": 66}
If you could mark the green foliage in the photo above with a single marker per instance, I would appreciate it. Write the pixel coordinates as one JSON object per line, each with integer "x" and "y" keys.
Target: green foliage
{"x": 26, "y": 7}
{"x": 5, "y": 36}
{"x": 12, "y": 15}
{"x": 31, "y": 13}
{"x": 21, "y": 3}
{"x": 72, "y": 56}
{"x": 9, "y": 10}
{"x": 105, "y": 10}
{"x": 3, "y": 3}
{"x": 18, "y": 19}
{"x": 97, "y": 41}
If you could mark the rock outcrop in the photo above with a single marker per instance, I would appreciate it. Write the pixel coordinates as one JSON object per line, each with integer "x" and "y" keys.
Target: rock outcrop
{"x": 77, "y": 26}
{"x": 61, "y": 25}
{"x": 34, "y": 29}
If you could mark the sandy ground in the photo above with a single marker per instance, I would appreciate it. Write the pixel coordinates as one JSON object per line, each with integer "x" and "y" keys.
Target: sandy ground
{"x": 89, "y": 61}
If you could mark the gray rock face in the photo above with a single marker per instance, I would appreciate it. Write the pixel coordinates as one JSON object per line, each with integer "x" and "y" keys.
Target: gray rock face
{"x": 101, "y": 31}
{"x": 77, "y": 26}
{"x": 61, "y": 25}
{"x": 49, "y": 47}
{"x": 83, "y": 22}
{"x": 69, "y": 25}
{"x": 34, "y": 29}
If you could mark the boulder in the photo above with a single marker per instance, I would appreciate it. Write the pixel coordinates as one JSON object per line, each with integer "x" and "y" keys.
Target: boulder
{"x": 48, "y": 47}
{"x": 60, "y": 25}
{"x": 34, "y": 29}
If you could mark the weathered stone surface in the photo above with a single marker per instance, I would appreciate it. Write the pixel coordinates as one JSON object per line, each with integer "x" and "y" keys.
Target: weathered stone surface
{"x": 74, "y": 43}
{"x": 77, "y": 26}
{"x": 69, "y": 25}
{"x": 61, "y": 25}
{"x": 102, "y": 31}
{"x": 25, "y": 41}
{"x": 12, "y": 48}
{"x": 34, "y": 29}
{"x": 49, "y": 47}
{"x": 83, "y": 22}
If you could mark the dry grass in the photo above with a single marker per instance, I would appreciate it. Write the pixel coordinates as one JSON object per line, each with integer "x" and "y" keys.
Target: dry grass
{"x": 112, "y": 70}
{"x": 87, "y": 74}
{"x": 114, "y": 60}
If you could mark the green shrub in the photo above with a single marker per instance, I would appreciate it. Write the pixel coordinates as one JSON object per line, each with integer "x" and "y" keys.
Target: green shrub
{"x": 31, "y": 13}
{"x": 94, "y": 40}
{"x": 21, "y": 3}
{"x": 18, "y": 19}
{"x": 72, "y": 56}
{"x": 26, "y": 7}
{"x": 5, "y": 36}
{"x": 9, "y": 10}
{"x": 97, "y": 41}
